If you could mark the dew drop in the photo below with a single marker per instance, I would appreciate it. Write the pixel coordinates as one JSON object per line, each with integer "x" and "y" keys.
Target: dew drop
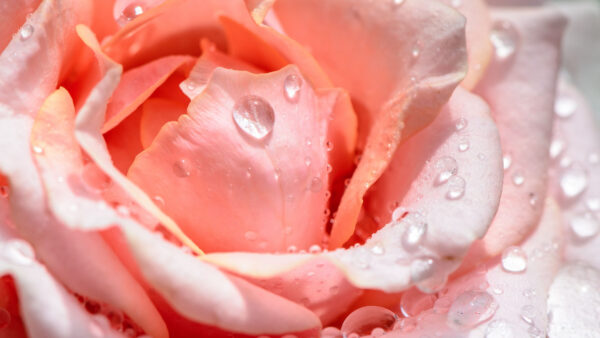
{"x": 422, "y": 269}
{"x": 463, "y": 145}
{"x": 363, "y": 320}
{"x": 456, "y": 3}
{"x": 518, "y": 179}
{"x": 456, "y": 188}
{"x": 130, "y": 12}
{"x": 254, "y": 116}
{"x": 182, "y": 168}
{"x": 471, "y": 308}
{"x": 26, "y": 31}
{"x": 4, "y": 318}
{"x": 556, "y": 148}
{"x": 415, "y": 52}
{"x": 461, "y": 124}
{"x": 307, "y": 161}
{"x": 316, "y": 184}
{"x": 398, "y": 2}
{"x": 514, "y": 259}
{"x": 291, "y": 87}
{"x": 37, "y": 149}
{"x": 533, "y": 199}
{"x": 593, "y": 204}
{"x": 292, "y": 249}
{"x": 584, "y": 226}
{"x": 564, "y": 106}
{"x": 499, "y": 329}
{"x": 504, "y": 39}
{"x": 329, "y": 145}
{"x": 445, "y": 167}
{"x": 506, "y": 161}
{"x": 528, "y": 313}
{"x": 378, "y": 249}
{"x": 574, "y": 180}
{"x": 529, "y": 293}
{"x": 19, "y": 252}
{"x": 315, "y": 249}
{"x": 414, "y": 302}
{"x": 415, "y": 231}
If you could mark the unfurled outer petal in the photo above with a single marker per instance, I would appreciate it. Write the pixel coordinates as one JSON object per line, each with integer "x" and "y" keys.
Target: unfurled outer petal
{"x": 280, "y": 178}
{"x": 520, "y": 87}
{"x": 384, "y": 263}
{"x": 397, "y": 90}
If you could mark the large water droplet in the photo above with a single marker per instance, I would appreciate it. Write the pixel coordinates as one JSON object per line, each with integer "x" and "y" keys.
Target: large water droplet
{"x": 131, "y": 12}
{"x": 182, "y": 168}
{"x": 574, "y": 180}
{"x": 19, "y": 252}
{"x": 556, "y": 148}
{"x": 499, "y": 329}
{"x": 291, "y": 87}
{"x": 514, "y": 259}
{"x": 445, "y": 167}
{"x": 26, "y": 31}
{"x": 414, "y": 234}
{"x": 254, "y": 116}
{"x": 414, "y": 302}
{"x": 363, "y": 320}
{"x": 471, "y": 308}
{"x": 584, "y": 226}
{"x": 504, "y": 38}
{"x": 456, "y": 187}
{"x": 564, "y": 106}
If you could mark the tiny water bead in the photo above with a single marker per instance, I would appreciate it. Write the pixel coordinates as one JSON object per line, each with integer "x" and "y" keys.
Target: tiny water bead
{"x": 329, "y": 145}
{"x": 38, "y": 150}
{"x": 378, "y": 249}
{"x": 398, "y": 2}
{"x": 19, "y": 252}
{"x": 518, "y": 179}
{"x": 574, "y": 180}
{"x": 456, "y": 188}
{"x": 514, "y": 259}
{"x": 254, "y": 116}
{"x": 291, "y": 87}
{"x": 564, "y": 106}
{"x": 363, "y": 320}
{"x": 584, "y": 226}
{"x": 557, "y": 146}
{"x": 504, "y": 38}
{"x": 471, "y": 308}
{"x": 182, "y": 168}
{"x": 131, "y": 12}
{"x": 460, "y": 124}
{"x": 464, "y": 145}
{"x": 315, "y": 249}
{"x": 416, "y": 229}
{"x": 415, "y": 52}
{"x": 26, "y": 31}
{"x": 445, "y": 167}
{"x": 528, "y": 314}
{"x": 506, "y": 161}
{"x": 307, "y": 161}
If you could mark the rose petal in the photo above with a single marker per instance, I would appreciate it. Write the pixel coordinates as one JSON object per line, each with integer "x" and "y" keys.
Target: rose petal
{"x": 519, "y": 299}
{"x": 124, "y": 142}
{"x": 281, "y": 180}
{"x": 138, "y": 84}
{"x": 400, "y": 78}
{"x": 578, "y": 137}
{"x": 383, "y": 263}
{"x": 520, "y": 90}
{"x": 156, "y": 112}
{"x": 573, "y": 302}
{"x": 13, "y": 16}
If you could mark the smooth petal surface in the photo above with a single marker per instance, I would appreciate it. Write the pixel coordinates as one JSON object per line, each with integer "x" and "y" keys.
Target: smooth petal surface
{"x": 573, "y": 302}
{"x": 576, "y": 150}
{"x": 156, "y": 112}
{"x": 138, "y": 84}
{"x": 520, "y": 90}
{"x": 518, "y": 300}
{"x": 13, "y": 17}
{"x": 405, "y": 84}
{"x": 383, "y": 263}
{"x": 281, "y": 179}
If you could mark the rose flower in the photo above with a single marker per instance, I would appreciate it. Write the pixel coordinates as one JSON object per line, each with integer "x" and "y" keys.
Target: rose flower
{"x": 299, "y": 168}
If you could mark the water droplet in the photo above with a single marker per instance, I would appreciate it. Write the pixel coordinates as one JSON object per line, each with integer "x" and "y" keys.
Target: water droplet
{"x": 456, "y": 187}
{"x": 445, "y": 167}
{"x": 471, "y": 308}
{"x": 533, "y": 199}
{"x": 514, "y": 259}
{"x": 315, "y": 249}
{"x": 504, "y": 39}
{"x": 564, "y": 107}
{"x": 398, "y": 2}
{"x": 415, "y": 52}
{"x": 250, "y": 236}
{"x": 378, "y": 249}
{"x": 37, "y": 149}
{"x": 26, "y": 31}
{"x": 291, "y": 87}
{"x": 414, "y": 234}
{"x": 497, "y": 291}
{"x": 556, "y": 148}
{"x": 456, "y": 3}
{"x": 565, "y": 162}
{"x": 593, "y": 158}
{"x": 328, "y": 168}
{"x": 584, "y": 226}
{"x": 463, "y": 144}
{"x": 422, "y": 269}
{"x": 190, "y": 85}
{"x": 292, "y": 249}
{"x": 413, "y": 302}
{"x": 506, "y": 161}
{"x": 316, "y": 184}
{"x": 329, "y": 145}
{"x": 363, "y": 320}
{"x": 518, "y": 179}
{"x": 499, "y": 329}
{"x": 307, "y": 161}
{"x": 19, "y": 252}
{"x": 130, "y": 12}
{"x": 254, "y": 116}
{"x": 593, "y": 204}
{"x": 528, "y": 313}
{"x": 529, "y": 293}
{"x": 574, "y": 180}
{"x": 461, "y": 123}
{"x": 4, "y": 318}
{"x": 182, "y": 168}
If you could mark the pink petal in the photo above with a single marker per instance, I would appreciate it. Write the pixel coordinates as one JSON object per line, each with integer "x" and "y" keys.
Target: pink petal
{"x": 574, "y": 176}
{"x": 280, "y": 180}
{"x": 12, "y": 18}
{"x": 156, "y": 112}
{"x": 138, "y": 84}
{"x": 390, "y": 99}
{"x": 519, "y": 299}
{"x": 520, "y": 90}
{"x": 383, "y": 263}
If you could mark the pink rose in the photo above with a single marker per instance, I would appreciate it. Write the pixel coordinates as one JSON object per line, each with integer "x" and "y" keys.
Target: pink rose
{"x": 333, "y": 168}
